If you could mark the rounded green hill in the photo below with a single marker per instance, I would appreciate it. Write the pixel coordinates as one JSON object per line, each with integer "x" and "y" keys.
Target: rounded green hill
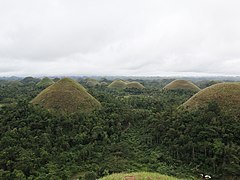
{"x": 68, "y": 96}
{"x": 226, "y": 95}
{"x": 29, "y": 80}
{"x": 45, "y": 82}
{"x": 182, "y": 84}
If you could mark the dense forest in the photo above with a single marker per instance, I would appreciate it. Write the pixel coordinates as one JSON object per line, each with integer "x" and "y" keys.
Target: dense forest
{"x": 135, "y": 130}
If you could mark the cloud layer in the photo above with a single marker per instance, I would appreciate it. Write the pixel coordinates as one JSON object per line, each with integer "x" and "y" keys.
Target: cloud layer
{"x": 109, "y": 37}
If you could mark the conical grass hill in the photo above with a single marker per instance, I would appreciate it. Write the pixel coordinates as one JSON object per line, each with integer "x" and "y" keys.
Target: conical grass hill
{"x": 45, "y": 82}
{"x": 182, "y": 84}
{"x": 118, "y": 84}
{"x": 66, "y": 95}
{"x": 135, "y": 85}
{"x": 226, "y": 95}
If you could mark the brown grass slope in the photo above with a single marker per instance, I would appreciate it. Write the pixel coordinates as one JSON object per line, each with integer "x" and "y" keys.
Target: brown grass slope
{"x": 68, "y": 96}
{"x": 226, "y": 95}
{"x": 182, "y": 84}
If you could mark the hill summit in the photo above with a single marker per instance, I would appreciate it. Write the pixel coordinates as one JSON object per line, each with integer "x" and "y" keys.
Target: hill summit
{"x": 182, "y": 84}
{"x": 45, "y": 82}
{"x": 226, "y": 95}
{"x": 68, "y": 96}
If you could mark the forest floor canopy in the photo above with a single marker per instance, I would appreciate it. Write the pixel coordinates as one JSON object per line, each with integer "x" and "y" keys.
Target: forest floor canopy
{"x": 135, "y": 130}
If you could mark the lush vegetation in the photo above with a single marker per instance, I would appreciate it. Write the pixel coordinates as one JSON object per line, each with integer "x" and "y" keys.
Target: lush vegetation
{"x": 136, "y": 130}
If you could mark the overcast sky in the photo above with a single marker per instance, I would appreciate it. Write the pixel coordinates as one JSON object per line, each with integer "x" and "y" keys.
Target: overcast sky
{"x": 119, "y": 37}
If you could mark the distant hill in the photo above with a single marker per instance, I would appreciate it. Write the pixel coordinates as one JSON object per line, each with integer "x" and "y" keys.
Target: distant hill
{"x": 92, "y": 82}
{"x": 138, "y": 175}
{"x": 182, "y": 84}
{"x": 45, "y": 82}
{"x": 30, "y": 80}
{"x": 226, "y": 95}
{"x": 66, "y": 95}
{"x": 206, "y": 83}
{"x": 120, "y": 84}
{"x": 56, "y": 79}
{"x": 14, "y": 83}
{"x": 134, "y": 84}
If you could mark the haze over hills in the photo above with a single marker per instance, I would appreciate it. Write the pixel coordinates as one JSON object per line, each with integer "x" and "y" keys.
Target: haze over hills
{"x": 182, "y": 84}
{"x": 226, "y": 95}
{"x": 66, "y": 95}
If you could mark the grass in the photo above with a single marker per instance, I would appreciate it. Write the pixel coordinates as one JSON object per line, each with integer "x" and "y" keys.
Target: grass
{"x": 120, "y": 84}
{"x": 68, "y": 96}
{"x": 182, "y": 84}
{"x": 226, "y": 95}
{"x": 138, "y": 176}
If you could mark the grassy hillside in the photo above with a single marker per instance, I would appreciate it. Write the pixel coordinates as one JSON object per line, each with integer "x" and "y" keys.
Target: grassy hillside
{"x": 182, "y": 84}
{"x": 138, "y": 175}
{"x": 45, "y": 82}
{"x": 226, "y": 95}
{"x": 66, "y": 95}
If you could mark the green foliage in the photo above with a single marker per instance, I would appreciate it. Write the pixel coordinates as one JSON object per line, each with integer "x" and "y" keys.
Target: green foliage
{"x": 136, "y": 130}
{"x": 90, "y": 176}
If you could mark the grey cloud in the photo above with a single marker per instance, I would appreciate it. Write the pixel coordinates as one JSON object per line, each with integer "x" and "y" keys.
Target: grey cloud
{"x": 146, "y": 37}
